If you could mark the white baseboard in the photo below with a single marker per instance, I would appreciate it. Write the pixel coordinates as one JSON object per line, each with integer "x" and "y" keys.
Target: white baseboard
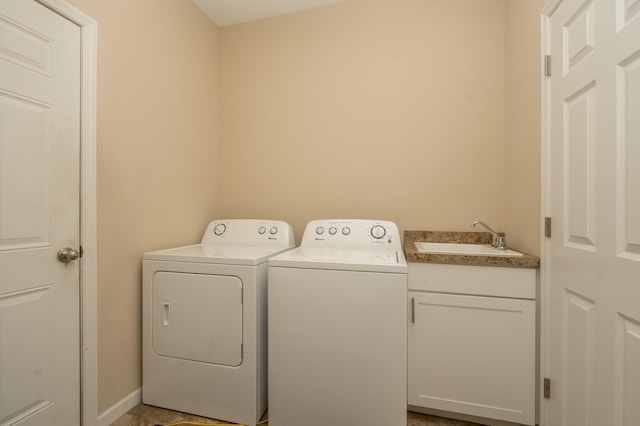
{"x": 121, "y": 407}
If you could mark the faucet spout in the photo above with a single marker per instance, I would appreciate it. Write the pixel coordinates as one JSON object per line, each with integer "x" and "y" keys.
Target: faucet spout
{"x": 497, "y": 240}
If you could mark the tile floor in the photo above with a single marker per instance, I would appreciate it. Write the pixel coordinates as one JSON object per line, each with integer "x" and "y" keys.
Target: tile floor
{"x": 146, "y": 415}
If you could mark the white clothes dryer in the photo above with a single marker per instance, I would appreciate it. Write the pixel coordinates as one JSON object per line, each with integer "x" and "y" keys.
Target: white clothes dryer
{"x": 204, "y": 321}
{"x": 338, "y": 327}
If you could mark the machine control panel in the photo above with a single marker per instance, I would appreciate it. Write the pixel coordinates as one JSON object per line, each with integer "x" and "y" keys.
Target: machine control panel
{"x": 249, "y": 231}
{"x": 356, "y": 233}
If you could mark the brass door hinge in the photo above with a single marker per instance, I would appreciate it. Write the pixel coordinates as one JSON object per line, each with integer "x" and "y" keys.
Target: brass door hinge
{"x": 547, "y": 388}
{"x": 547, "y": 65}
{"x": 547, "y": 227}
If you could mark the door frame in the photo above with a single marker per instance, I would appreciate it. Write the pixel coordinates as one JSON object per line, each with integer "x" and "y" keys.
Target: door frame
{"x": 545, "y": 203}
{"x": 88, "y": 344}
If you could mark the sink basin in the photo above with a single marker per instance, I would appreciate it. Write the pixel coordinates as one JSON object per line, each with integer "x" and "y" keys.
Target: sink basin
{"x": 465, "y": 249}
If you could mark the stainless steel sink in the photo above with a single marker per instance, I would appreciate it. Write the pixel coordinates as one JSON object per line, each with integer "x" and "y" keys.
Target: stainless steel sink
{"x": 465, "y": 249}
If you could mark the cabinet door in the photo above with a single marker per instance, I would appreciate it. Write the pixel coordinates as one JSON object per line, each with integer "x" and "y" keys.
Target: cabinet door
{"x": 472, "y": 355}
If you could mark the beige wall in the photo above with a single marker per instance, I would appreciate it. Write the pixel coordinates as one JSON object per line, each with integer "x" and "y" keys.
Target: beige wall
{"x": 522, "y": 130}
{"x": 393, "y": 109}
{"x": 388, "y": 109}
{"x": 158, "y": 159}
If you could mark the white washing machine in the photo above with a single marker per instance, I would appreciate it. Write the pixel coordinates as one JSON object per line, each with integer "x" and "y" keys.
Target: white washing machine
{"x": 204, "y": 321}
{"x": 338, "y": 327}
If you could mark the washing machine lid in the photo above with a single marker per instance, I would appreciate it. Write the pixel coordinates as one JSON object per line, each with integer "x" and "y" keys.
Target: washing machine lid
{"x": 240, "y": 254}
{"x": 342, "y": 259}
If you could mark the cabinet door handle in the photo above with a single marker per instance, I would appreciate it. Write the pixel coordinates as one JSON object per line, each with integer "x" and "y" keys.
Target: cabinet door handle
{"x": 413, "y": 311}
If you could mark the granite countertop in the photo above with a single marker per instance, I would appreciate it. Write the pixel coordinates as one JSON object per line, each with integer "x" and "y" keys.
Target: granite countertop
{"x": 413, "y": 255}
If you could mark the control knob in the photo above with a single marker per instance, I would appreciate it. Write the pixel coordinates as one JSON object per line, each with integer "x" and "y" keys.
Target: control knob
{"x": 378, "y": 232}
{"x": 219, "y": 229}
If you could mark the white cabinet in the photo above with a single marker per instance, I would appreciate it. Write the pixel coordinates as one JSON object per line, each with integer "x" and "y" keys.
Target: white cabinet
{"x": 472, "y": 340}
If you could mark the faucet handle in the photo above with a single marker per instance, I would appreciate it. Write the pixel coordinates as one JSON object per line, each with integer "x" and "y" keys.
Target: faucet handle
{"x": 499, "y": 242}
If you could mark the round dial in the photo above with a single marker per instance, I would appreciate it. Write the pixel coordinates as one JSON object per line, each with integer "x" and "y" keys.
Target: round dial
{"x": 378, "y": 232}
{"x": 333, "y": 230}
{"x": 219, "y": 229}
{"x": 346, "y": 230}
{"x": 262, "y": 230}
{"x": 319, "y": 230}
{"x": 273, "y": 230}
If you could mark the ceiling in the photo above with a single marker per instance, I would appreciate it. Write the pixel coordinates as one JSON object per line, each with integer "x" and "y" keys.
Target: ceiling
{"x": 229, "y": 12}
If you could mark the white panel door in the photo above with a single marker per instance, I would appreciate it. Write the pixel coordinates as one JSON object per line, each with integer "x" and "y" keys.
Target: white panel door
{"x": 39, "y": 215}
{"x": 593, "y": 256}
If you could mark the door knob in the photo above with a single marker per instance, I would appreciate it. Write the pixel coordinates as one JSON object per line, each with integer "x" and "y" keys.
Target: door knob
{"x": 68, "y": 254}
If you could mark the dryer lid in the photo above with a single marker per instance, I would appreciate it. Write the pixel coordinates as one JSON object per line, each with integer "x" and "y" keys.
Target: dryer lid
{"x": 217, "y": 254}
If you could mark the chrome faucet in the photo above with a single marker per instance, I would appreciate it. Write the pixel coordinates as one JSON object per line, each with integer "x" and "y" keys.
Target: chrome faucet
{"x": 497, "y": 240}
